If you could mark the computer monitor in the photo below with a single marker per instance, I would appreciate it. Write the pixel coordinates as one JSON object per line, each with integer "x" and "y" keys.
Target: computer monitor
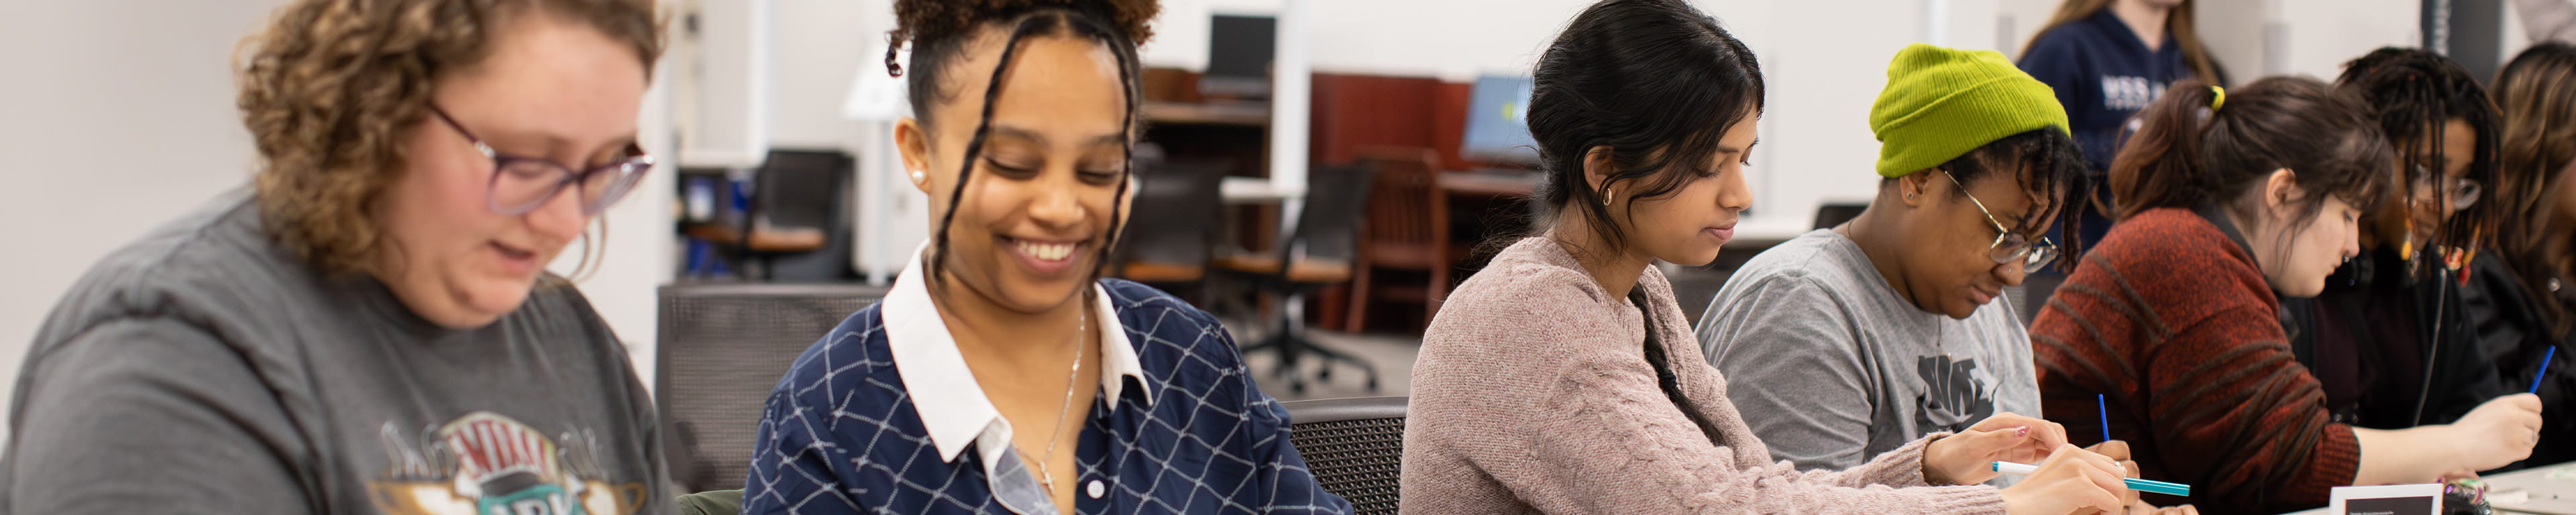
{"x": 1239, "y": 52}
{"x": 1496, "y": 131}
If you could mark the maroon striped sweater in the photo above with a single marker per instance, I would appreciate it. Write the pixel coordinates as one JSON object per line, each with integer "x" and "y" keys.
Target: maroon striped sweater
{"x": 2169, "y": 319}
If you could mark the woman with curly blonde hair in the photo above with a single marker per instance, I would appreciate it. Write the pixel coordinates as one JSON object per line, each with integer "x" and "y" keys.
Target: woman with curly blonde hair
{"x": 370, "y": 327}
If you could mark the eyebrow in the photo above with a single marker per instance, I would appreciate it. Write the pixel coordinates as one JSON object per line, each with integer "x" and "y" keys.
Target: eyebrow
{"x": 1721, "y": 147}
{"x": 553, "y": 143}
{"x": 1041, "y": 139}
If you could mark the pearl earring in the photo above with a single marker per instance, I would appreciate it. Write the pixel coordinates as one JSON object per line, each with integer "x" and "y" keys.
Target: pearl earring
{"x": 917, "y": 175}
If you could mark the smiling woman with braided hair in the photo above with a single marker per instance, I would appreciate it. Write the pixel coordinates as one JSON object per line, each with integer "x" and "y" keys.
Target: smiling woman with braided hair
{"x": 1002, "y": 374}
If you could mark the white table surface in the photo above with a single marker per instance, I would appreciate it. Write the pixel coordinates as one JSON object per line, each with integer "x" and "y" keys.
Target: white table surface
{"x": 2565, "y": 487}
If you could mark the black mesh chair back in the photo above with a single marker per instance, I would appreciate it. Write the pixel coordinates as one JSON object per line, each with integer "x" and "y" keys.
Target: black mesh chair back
{"x": 1355, "y": 447}
{"x": 1328, "y": 227}
{"x": 718, "y": 351}
{"x": 1174, "y": 218}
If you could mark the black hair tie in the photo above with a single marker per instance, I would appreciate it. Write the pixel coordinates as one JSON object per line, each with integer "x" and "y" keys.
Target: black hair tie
{"x": 892, "y": 68}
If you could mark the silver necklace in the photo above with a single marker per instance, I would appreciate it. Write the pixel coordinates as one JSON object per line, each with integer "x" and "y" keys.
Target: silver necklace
{"x": 1046, "y": 472}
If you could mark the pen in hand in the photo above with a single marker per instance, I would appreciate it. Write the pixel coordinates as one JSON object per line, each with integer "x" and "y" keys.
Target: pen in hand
{"x": 2142, "y": 485}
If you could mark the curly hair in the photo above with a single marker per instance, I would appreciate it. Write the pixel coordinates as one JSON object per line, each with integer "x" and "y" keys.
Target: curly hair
{"x": 939, "y": 30}
{"x": 933, "y": 25}
{"x": 329, "y": 87}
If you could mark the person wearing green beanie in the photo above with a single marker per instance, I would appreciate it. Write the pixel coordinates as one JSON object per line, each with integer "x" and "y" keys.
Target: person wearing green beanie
{"x": 1865, "y": 336}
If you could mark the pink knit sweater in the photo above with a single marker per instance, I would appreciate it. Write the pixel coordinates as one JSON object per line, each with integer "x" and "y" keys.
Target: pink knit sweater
{"x": 1533, "y": 395}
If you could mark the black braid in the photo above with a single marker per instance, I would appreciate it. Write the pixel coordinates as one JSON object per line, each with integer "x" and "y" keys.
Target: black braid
{"x": 1128, "y": 88}
{"x": 892, "y": 45}
{"x": 975, "y": 147}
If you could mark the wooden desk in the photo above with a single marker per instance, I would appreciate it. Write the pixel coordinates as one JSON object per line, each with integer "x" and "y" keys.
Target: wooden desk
{"x": 1490, "y": 184}
{"x": 763, "y": 239}
{"x": 1246, "y": 114}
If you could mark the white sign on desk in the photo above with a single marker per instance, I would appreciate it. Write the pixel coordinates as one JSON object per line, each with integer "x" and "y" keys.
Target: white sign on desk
{"x": 2424, "y": 499}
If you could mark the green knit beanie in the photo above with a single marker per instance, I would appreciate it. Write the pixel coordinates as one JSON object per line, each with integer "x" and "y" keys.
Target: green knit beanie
{"x": 1941, "y": 103}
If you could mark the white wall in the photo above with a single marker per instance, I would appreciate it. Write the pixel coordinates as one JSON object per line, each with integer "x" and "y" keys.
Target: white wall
{"x": 2326, "y": 33}
{"x": 118, "y": 116}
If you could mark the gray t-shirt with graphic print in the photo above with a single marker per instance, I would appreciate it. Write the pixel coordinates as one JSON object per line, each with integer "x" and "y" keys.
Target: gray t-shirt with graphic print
{"x": 1831, "y": 367}
{"x": 203, "y": 369}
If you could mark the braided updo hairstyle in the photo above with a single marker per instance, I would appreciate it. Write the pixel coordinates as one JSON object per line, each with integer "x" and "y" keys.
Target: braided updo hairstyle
{"x": 939, "y": 30}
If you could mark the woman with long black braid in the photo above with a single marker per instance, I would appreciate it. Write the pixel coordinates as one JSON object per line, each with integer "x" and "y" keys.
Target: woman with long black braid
{"x": 1002, "y": 374}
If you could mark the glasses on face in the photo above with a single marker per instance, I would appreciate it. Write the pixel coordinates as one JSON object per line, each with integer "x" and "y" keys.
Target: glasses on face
{"x": 520, "y": 184}
{"x": 2460, "y": 193}
{"x": 2009, "y": 246}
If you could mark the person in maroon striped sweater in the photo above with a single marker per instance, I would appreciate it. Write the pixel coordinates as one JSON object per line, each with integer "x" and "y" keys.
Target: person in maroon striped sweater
{"x": 2172, "y": 320}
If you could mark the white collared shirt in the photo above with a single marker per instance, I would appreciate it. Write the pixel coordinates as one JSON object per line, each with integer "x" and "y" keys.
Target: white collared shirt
{"x": 952, "y": 406}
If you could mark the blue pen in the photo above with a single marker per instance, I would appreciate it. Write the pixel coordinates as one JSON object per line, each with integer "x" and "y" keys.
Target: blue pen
{"x": 2141, "y": 485}
{"x": 2544, "y": 369}
{"x": 2105, "y": 407}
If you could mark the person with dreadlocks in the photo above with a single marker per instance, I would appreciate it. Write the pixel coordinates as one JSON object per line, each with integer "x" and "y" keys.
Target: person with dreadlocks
{"x": 2387, "y": 338}
{"x": 1002, "y": 374}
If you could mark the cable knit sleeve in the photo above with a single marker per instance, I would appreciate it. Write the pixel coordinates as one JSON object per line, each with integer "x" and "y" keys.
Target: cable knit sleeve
{"x": 1605, "y": 440}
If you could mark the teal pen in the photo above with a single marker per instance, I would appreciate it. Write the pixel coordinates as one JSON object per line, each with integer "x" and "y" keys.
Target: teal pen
{"x": 2141, "y": 485}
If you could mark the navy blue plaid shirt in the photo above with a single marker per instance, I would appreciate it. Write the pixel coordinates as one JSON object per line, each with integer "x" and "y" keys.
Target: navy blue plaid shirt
{"x": 1179, "y": 428}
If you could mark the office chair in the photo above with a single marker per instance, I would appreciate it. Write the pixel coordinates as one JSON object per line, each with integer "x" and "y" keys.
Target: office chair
{"x": 1317, "y": 252}
{"x": 1355, "y": 447}
{"x": 795, "y": 214}
{"x": 1172, "y": 227}
{"x": 719, "y": 350}
{"x": 1408, "y": 231}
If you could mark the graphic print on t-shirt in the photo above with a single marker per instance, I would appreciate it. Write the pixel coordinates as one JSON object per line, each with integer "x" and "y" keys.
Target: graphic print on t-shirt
{"x": 2129, "y": 93}
{"x": 1953, "y": 397}
{"x": 484, "y": 463}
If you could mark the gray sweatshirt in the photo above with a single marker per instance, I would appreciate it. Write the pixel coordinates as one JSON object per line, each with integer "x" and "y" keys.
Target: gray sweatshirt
{"x": 1849, "y": 369}
{"x": 205, "y": 370}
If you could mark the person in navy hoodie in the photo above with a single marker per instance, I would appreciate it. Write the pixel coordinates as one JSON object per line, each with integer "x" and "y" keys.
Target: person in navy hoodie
{"x": 1001, "y": 374}
{"x": 2108, "y": 59}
